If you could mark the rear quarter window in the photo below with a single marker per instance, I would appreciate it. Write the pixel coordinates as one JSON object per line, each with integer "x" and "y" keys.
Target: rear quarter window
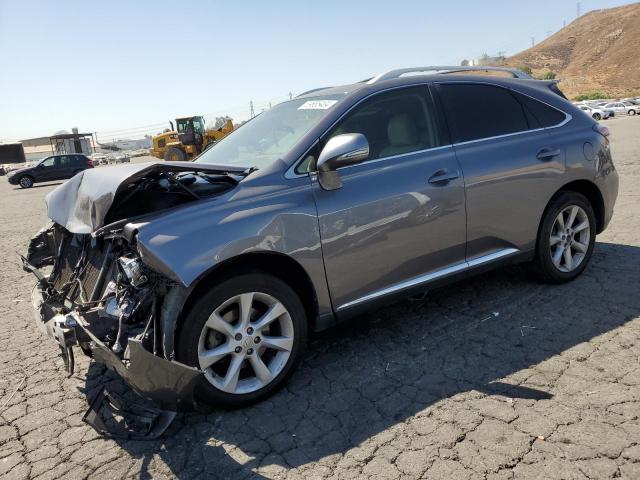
{"x": 545, "y": 115}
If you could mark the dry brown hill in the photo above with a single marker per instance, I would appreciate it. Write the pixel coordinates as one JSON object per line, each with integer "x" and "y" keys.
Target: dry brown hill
{"x": 599, "y": 51}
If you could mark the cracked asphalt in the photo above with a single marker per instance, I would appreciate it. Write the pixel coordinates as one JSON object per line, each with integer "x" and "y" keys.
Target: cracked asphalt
{"x": 440, "y": 387}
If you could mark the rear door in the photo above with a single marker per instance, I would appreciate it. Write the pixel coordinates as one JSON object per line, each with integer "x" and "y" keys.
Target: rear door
{"x": 64, "y": 167}
{"x": 511, "y": 164}
{"x": 398, "y": 220}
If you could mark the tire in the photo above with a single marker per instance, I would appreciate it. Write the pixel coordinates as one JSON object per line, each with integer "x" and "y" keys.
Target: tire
{"x": 631, "y": 112}
{"x": 242, "y": 345}
{"x": 561, "y": 271}
{"x": 174, "y": 154}
{"x": 596, "y": 117}
{"x": 26, "y": 181}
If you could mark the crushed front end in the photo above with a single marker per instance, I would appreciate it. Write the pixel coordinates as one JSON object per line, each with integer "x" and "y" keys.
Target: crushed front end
{"x": 95, "y": 293}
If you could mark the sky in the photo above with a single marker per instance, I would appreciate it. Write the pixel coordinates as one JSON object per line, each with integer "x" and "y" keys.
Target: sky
{"x": 125, "y": 68}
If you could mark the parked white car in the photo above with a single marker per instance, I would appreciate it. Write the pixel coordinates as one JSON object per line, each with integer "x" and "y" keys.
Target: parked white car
{"x": 596, "y": 113}
{"x": 622, "y": 108}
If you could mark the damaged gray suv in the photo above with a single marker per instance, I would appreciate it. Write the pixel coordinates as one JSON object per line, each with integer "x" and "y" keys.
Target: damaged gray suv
{"x": 199, "y": 282}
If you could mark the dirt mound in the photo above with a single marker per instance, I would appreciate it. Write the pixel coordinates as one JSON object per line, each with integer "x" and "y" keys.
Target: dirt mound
{"x": 599, "y": 51}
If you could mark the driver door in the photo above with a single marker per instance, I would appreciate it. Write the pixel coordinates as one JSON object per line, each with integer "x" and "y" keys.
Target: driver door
{"x": 47, "y": 170}
{"x": 398, "y": 221}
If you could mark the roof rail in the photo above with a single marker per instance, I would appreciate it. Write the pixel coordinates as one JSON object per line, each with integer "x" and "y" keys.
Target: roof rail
{"x": 440, "y": 69}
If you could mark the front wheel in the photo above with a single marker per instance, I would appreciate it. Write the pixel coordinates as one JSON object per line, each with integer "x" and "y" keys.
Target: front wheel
{"x": 597, "y": 117}
{"x": 566, "y": 238}
{"x": 632, "y": 112}
{"x": 246, "y": 334}
{"x": 26, "y": 182}
{"x": 175, "y": 154}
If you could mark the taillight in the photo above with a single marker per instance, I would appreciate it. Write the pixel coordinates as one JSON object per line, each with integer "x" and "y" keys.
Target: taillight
{"x": 602, "y": 130}
{"x": 89, "y": 162}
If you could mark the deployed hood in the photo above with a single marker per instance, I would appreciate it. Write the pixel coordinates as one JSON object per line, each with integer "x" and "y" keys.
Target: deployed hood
{"x": 82, "y": 203}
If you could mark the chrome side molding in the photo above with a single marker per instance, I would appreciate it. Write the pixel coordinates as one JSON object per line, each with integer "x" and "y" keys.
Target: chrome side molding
{"x": 430, "y": 277}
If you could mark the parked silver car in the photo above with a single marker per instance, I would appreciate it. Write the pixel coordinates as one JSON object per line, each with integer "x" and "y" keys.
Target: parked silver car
{"x": 199, "y": 282}
{"x": 596, "y": 113}
{"x": 623, "y": 108}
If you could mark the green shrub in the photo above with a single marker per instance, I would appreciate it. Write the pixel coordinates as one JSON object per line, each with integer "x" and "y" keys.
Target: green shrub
{"x": 591, "y": 96}
{"x": 525, "y": 69}
{"x": 548, "y": 76}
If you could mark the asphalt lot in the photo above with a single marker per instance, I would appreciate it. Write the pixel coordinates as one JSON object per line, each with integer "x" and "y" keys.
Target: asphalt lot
{"x": 435, "y": 388}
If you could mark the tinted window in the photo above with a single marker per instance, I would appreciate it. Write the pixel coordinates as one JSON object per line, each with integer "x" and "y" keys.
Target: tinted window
{"x": 480, "y": 111}
{"x": 64, "y": 161}
{"x": 543, "y": 114}
{"x": 48, "y": 162}
{"x": 396, "y": 122}
{"x": 79, "y": 160}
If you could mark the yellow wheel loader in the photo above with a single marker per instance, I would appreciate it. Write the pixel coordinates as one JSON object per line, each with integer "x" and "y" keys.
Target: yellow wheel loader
{"x": 188, "y": 140}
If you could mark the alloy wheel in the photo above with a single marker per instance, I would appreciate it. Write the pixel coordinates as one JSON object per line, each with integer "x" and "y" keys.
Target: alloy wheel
{"x": 570, "y": 238}
{"x": 245, "y": 343}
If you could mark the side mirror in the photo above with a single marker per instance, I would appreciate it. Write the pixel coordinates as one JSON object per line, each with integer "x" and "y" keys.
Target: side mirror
{"x": 340, "y": 151}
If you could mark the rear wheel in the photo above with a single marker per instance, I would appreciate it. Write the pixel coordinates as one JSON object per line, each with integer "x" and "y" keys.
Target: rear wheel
{"x": 246, "y": 334}
{"x": 566, "y": 238}
{"x": 174, "y": 154}
{"x": 597, "y": 117}
{"x": 632, "y": 112}
{"x": 26, "y": 182}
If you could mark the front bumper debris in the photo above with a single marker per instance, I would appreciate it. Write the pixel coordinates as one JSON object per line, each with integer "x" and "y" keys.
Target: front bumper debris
{"x": 111, "y": 417}
{"x": 170, "y": 385}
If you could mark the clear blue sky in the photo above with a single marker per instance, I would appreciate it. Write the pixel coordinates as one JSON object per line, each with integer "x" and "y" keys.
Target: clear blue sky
{"x": 108, "y": 66}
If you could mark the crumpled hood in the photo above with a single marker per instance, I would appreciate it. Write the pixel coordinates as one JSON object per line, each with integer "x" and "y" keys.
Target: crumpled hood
{"x": 81, "y": 203}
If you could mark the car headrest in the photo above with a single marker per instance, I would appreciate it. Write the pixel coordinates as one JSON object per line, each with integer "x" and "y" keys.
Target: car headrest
{"x": 402, "y": 131}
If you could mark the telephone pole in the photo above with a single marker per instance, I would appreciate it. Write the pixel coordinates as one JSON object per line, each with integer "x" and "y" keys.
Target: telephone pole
{"x": 577, "y": 9}
{"x": 533, "y": 41}
{"x": 251, "y": 108}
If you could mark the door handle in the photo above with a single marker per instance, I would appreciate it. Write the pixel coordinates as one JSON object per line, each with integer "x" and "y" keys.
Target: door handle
{"x": 442, "y": 177}
{"x": 547, "y": 154}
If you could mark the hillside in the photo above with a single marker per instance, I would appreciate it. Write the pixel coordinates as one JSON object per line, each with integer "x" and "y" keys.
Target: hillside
{"x": 599, "y": 51}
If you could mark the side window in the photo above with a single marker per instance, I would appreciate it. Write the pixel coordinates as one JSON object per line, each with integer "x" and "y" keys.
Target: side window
{"x": 64, "y": 161}
{"x": 544, "y": 115}
{"x": 395, "y": 122}
{"x": 478, "y": 111}
{"x": 49, "y": 162}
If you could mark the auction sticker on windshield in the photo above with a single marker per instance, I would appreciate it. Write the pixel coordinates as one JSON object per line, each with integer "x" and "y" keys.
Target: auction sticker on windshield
{"x": 317, "y": 104}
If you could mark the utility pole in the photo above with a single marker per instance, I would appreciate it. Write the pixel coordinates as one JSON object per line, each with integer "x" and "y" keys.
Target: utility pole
{"x": 290, "y": 95}
{"x": 564, "y": 23}
{"x": 251, "y": 107}
{"x": 533, "y": 41}
{"x": 577, "y": 9}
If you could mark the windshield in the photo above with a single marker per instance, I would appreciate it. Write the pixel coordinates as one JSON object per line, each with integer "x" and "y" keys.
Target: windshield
{"x": 270, "y": 135}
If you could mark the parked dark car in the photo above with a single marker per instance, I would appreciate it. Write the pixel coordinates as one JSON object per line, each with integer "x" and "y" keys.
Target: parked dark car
{"x": 199, "y": 282}
{"x": 55, "y": 167}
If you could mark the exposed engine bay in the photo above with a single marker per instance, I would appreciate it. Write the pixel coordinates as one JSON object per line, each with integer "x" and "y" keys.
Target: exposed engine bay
{"x": 95, "y": 292}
